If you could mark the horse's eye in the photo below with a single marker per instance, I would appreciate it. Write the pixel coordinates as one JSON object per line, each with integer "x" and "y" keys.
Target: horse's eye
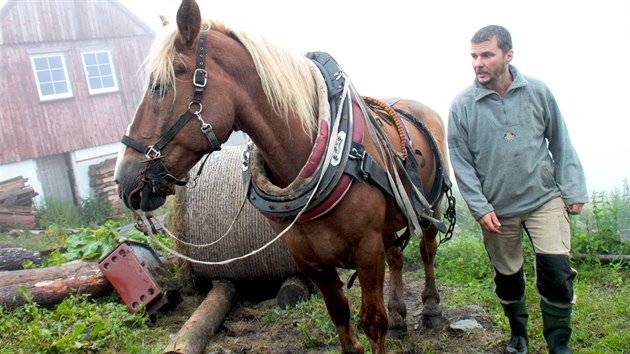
{"x": 158, "y": 90}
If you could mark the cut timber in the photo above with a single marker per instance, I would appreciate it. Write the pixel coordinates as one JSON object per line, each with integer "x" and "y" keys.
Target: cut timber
{"x": 604, "y": 258}
{"x": 193, "y": 337}
{"x": 292, "y": 291}
{"x": 12, "y": 257}
{"x": 48, "y": 293}
{"x": 39, "y": 274}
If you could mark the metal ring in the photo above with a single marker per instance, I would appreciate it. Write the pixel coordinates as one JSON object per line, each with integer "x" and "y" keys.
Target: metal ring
{"x": 197, "y": 103}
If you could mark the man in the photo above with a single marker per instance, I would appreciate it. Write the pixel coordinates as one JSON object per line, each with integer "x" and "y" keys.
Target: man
{"x": 517, "y": 170}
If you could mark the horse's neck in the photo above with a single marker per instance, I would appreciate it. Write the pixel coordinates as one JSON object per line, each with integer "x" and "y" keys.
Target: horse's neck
{"x": 285, "y": 149}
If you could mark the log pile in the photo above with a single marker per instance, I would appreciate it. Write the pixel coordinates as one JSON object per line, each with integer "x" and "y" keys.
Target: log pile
{"x": 49, "y": 286}
{"x": 16, "y": 204}
{"x": 103, "y": 184}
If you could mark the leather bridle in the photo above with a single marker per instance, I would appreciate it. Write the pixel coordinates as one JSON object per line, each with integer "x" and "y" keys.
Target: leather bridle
{"x": 153, "y": 152}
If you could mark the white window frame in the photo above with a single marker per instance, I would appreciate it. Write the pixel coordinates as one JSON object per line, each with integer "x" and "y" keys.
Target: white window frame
{"x": 96, "y": 91}
{"x": 55, "y": 96}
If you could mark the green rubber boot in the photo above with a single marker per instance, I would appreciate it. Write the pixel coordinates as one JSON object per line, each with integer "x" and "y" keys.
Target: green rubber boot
{"x": 517, "y": 316}
{"x": 556, "y": 327}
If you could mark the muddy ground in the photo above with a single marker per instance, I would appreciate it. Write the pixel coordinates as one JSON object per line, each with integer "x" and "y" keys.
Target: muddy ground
{"x": 245, "y": 331}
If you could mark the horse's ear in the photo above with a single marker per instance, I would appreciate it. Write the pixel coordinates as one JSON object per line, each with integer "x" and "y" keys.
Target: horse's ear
{"x": 164, "y": 20}
{"x": 188, "y": 22}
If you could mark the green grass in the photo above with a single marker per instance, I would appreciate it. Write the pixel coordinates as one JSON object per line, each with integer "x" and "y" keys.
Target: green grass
{"x": 80, "y": 325}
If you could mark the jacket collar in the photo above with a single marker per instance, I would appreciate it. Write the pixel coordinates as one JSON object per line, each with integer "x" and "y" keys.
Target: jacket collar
{"x": 519, "y": 81}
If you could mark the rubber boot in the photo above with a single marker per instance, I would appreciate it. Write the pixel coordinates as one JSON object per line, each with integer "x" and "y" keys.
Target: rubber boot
{"x": 556, "y": 327}
{"x": 517, "y": 316}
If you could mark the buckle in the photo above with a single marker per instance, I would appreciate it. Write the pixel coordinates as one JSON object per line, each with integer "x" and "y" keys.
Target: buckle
{"x": 202, "y": 79}
{"x": 152, "y": 153}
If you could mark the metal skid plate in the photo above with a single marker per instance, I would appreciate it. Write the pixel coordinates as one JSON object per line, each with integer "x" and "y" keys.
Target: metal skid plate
{"x": 125, "y": 269}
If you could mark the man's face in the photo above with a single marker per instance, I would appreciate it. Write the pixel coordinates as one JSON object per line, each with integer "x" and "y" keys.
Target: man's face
{"x": 489, "y": 62}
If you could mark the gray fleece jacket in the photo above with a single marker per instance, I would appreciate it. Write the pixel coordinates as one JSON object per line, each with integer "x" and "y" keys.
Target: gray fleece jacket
{"x": 512, "y": 154}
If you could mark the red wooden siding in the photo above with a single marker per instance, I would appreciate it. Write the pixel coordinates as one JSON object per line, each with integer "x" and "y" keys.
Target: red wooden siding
{"x": 30, "y": 128}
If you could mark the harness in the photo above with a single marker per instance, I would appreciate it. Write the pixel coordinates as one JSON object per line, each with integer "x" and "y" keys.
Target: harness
{"x": 153, "y": 153}
{"x": 346, "y": 160}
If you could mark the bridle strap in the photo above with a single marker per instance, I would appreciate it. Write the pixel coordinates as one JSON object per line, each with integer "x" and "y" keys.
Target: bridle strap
{"x": 200, "y": 79}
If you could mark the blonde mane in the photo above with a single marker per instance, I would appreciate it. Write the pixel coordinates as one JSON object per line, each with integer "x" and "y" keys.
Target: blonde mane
{"x": 286, "y": 77}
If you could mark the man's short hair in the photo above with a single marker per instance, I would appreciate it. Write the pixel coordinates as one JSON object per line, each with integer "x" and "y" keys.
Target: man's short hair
{"x": 504, "y": 39}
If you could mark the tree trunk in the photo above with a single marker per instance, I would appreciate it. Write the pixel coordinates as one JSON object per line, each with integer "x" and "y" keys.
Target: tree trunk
{"x": 292, "y": 291}
{"x": 49, "y": 273}
{"x": 51, "y": 292}
{"x": 12, "y": 257}
{"x": 205, "y": 321}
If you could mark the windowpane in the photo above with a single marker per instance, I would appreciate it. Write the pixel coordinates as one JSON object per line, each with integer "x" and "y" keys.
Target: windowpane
{"x": 95, "y": 84}
{"x": 102, "y": 58}
{"x": 58, "y": 75}
{"x": 55, "y": 62}
{"x": 61, "y": 87}
{"x": 47, "y": 89}
{"x": 105, "y": 70}
{"x": 90, "y": 59}
{"x": 99, "y": 72}
{"x": 108, "y": 81}
{"x": 92, "y": 71}
{"x": 51, "y": 76}
{"x": 44, "y": 76}
{"x": 41, "y": 63}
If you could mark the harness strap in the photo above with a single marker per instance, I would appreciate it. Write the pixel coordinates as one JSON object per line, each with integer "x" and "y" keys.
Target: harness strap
{"x": 362, "y": 167}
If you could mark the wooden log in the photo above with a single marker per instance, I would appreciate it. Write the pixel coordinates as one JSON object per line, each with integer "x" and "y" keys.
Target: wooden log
{"x": 48, "y": 293}
{"x": 12, "y": 257}
{"x": 292, "y": 291}
{"x": 40, "y": 274}
{"x": 193, "y": 337}
{"x": 604, "y": 258}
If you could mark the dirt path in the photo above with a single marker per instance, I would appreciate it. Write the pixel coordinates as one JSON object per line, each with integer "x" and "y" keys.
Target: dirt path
{"x": 245, "y": 331}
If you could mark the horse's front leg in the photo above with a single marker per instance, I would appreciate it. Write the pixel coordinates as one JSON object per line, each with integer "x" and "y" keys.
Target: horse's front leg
{"x": 370, "y": 264}
{"x": 396, "y": 309}
{"x": 327, "y": 280}
{"x": 432, "y": 311}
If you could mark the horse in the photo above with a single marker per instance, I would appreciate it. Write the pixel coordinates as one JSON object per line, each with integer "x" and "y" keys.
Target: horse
{"x": 225, "y": 80}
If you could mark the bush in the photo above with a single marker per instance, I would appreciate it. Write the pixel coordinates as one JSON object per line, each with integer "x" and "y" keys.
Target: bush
{"x": 610, "y": 218}
{"x": 53, "y": 211}
{"x": 95, "y": 209}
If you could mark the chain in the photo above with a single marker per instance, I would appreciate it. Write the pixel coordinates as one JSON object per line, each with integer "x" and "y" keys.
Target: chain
{"x": 450, "y": 214}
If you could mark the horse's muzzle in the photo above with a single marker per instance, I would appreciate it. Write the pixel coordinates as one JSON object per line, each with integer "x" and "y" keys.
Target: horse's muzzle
{"x": 140, "y": 187}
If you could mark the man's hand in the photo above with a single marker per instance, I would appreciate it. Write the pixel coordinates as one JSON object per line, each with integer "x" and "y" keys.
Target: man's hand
{"x": 575, "y": 209}
{"x": 490, "y": 223}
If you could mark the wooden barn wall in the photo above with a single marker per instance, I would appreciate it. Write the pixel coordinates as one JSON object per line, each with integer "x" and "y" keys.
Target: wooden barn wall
{"x": 30, "y": 128}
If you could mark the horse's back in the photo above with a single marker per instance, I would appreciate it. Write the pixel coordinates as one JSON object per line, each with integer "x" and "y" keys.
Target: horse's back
{"x": 426, "y": 156}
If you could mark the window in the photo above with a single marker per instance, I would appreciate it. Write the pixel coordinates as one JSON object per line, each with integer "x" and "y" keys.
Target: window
{"x": 99, "y": 71}
{"x": 51, "y": 75}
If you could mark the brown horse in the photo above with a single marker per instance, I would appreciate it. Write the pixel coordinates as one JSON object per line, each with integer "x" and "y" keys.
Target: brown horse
{"x": 243, "y": 82}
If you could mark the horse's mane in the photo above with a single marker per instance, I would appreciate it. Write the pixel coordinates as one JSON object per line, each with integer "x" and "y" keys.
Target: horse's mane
{"x": 286, "y": 77}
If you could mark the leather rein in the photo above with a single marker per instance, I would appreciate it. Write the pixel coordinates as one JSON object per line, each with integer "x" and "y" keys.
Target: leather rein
{"x": 153, "y": 153}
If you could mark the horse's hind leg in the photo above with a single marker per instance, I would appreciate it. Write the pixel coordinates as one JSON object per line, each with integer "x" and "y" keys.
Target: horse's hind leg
{"x": 432, "y": 311}
{"x": 331, "y": 287}
{"x": 396, "y": 309}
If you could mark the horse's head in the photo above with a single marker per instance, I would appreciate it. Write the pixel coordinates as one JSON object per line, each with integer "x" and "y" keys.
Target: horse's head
{"x": 186, "y": 112}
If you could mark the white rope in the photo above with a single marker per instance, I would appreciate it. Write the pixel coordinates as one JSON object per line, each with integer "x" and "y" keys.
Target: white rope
{"x": 171, "y": 235}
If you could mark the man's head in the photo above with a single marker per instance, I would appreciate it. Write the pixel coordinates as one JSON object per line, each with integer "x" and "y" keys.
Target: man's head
{"x": 491, "y": 52}
{"x": 504, "y": 39}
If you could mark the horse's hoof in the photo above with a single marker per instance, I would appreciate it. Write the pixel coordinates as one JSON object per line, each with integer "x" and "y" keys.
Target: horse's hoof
{"x": 433, "y": 321}
{"x": 397, "y": 332}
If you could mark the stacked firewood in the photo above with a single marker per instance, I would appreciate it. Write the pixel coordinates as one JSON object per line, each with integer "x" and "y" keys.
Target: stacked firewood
{"x": 102, "y": 182}
{"x": 16, "y": 203}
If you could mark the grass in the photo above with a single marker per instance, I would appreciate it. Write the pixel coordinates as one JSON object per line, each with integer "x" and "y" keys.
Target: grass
{"x": 80, "y": 324}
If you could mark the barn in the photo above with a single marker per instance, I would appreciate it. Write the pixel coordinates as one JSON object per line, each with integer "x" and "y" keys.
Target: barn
{"x": 69, "y": 86}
